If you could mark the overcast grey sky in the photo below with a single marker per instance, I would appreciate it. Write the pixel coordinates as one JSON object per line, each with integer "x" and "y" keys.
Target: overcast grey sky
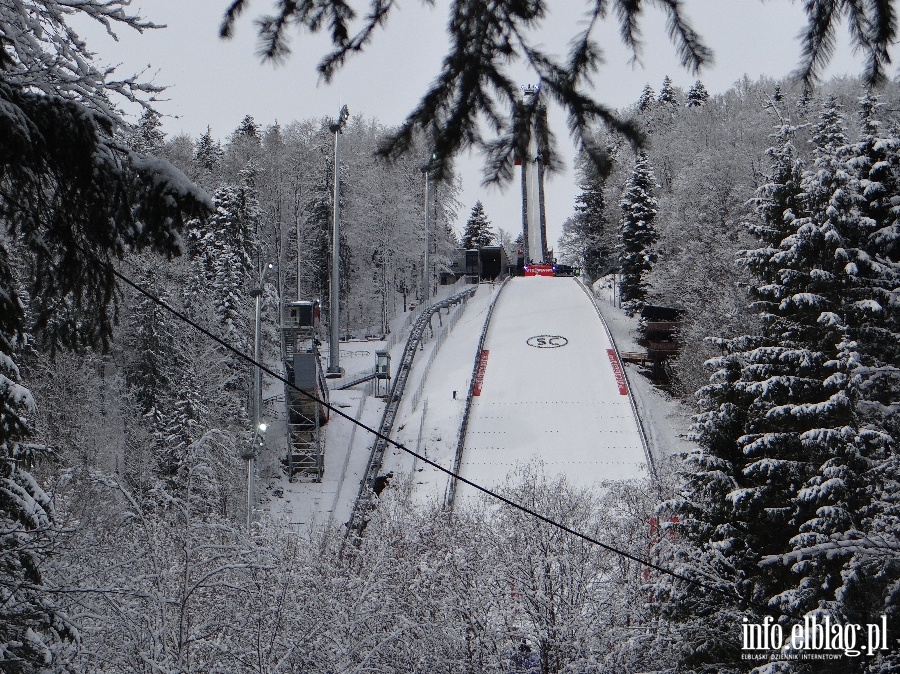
{"x": 216, "y": 83}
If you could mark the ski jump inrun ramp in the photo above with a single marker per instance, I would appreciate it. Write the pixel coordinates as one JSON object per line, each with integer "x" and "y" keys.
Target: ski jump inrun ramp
{"x": 550, "y": 387}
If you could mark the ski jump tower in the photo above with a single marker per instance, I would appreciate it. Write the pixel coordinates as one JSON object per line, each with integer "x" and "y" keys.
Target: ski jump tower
{"x": 305, "y": 458}
{"x": 534, "y": 219}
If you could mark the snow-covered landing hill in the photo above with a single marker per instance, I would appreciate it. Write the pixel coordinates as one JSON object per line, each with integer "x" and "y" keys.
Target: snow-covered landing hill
{"x": 553, "y": 390}
{"x": 561, "y": 404}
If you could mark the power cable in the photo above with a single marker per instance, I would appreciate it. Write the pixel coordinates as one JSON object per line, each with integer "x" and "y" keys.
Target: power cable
{"x": 528, "y": 511}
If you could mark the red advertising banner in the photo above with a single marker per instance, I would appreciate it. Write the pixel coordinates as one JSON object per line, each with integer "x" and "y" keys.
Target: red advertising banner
{"x": 479, "y": 375}
{"x": 538, "y": 269}
{"x": 617, "y": 371}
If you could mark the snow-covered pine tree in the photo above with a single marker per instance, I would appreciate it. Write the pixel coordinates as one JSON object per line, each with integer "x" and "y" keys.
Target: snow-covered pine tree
{"x": 787, "y": 459}
{"x": 590, "y": 219}
{"x": 229, "y": 249}
{"x": 181, "y": 427}
{"x": 697, "y": 95}
{"x": 846, "y": 283}
{"x": 478, "y": 231}
{"x": 853, "y": 491}
{"x": 30, "y": 622}
{"x": 207, "y": 151}
{"x": 148, "y": 136}
{"x": 777, "y": 200}
{"x": 875, "y": 159}
{"x": 243, "y": 150}
{"x": 646, "y": 101}
{"x": 249, "y": 213}
{"x": 637, "y": 233}
{"x": 72, "y": 199}
{"x": 150, "y": 363}
{"x": 208, "y": 155}
{"x": 317, "y": 241}
{"x": 317, "y": 221}
{"x": 217, "y": 294}
{"x": 668, "y": 96}
{"x": 248, "y": 128}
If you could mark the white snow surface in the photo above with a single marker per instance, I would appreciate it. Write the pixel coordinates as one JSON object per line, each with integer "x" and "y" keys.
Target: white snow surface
{"x": 665, "y": 419}
{"x": 560, "y": 405}
{"x": 348, "y": 446}
{"x": 435, "y": 437}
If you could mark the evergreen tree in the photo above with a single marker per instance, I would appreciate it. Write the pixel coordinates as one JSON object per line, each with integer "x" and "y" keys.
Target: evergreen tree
{"x": 243, "y": 151}
{"x": 874, "y": 157}
{"x": 647, "y": 99}
{"x": 318, "y": 216}
{"x": 31, "y": 623}
{"x": 208, "y": 152}
{"x": 856, "y": 489}
{"x": 587, "y": 238}
{"x": 150, "y": 363}
{"x": 180, "y": 428}
{"x": 697, "y": 95}
{"x": 227, "y": 251}
{"x": 637, "y": 233}
{"x": 72, "y": 199}
{"x": 805, "y": 100}
{"x": 317, "y": 222}
{"x": 148, "y": 136}
{"x": 249, "y": 129}
{"x": 777, "y": 200}
{"x": 787, "y": 459}
{"x": 478, "y": 230}
{"x": 668, "y": 97}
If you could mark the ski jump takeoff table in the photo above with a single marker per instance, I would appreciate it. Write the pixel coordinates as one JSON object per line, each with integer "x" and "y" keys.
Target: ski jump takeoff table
{"x": 552, "y": 389}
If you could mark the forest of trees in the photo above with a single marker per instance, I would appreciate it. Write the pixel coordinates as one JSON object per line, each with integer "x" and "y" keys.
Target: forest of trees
{"x": 768, "y": 214}
{"x": 776, "y": 222}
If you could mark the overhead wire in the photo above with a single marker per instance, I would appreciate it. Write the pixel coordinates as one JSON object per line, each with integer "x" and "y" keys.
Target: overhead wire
{"x": 499, "y": 497}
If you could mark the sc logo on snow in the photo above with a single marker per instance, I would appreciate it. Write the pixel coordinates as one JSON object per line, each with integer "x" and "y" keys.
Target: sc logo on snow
{"x": 547, "y": 341}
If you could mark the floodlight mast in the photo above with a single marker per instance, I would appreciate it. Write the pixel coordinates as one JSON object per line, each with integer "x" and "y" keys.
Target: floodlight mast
{"x": 426, "y": 169}
{"x": 258, "y": 428}
{"x": 334, "y": 314}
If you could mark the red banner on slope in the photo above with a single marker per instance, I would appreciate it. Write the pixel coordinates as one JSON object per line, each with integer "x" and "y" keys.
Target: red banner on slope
{"x": 617, "y": 371}
{"x": 479, "y": 375}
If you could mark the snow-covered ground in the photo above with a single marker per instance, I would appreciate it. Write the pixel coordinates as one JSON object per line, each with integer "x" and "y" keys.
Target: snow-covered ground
{"x": 550, "y": 392}
{"x": 562, "y": 405}
{"x": 665, "y": 419}
{"x": 346, "y": 454}
{"x": 348, "y": 446}
{"x": 431, "y": 428}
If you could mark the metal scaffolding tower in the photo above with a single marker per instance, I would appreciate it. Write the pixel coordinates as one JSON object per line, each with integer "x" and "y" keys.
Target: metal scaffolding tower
{"x": 306, "y": 414}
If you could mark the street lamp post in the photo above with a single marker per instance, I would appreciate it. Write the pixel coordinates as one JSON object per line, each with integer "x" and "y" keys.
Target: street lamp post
{"x": 259, "y": 428}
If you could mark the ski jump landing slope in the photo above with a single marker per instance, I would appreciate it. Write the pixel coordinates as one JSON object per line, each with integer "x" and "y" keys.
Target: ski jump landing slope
{"x": 552, "y": 388}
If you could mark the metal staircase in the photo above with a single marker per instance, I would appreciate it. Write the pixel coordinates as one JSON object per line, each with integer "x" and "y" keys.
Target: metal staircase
{"x": 363, "y": 504}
